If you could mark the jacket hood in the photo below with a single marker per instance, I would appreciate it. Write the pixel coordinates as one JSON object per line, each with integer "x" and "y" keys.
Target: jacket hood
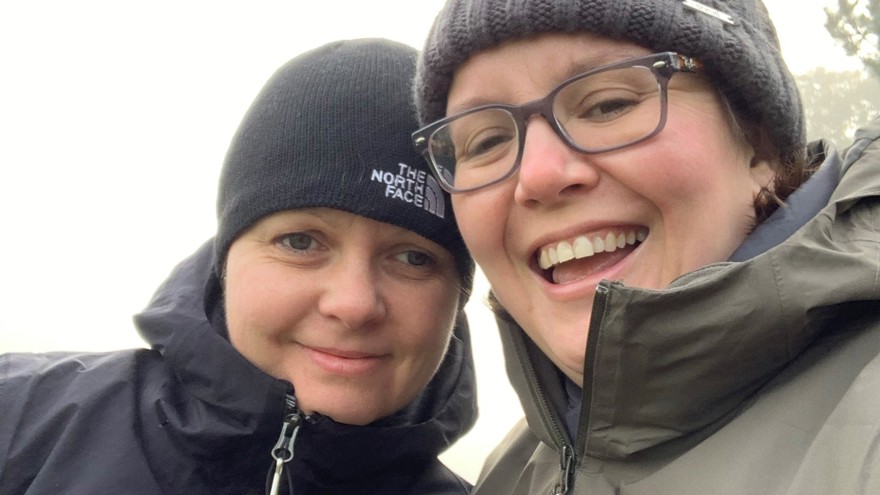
{"x": 668, "y": 367}
{"x": 230, "y": 400}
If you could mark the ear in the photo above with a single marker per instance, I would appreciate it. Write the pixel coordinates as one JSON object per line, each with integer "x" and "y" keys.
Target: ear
{"x": 763, "y": 172}
{"x": 764, "y": 163}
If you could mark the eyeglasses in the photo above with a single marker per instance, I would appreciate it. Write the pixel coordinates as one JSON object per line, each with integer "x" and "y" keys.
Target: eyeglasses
{"x": 600, "y": 110}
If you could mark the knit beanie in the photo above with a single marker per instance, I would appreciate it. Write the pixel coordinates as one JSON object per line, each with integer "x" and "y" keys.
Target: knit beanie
{"x": 331, "y": 128}
{"x": 734, "y": 39}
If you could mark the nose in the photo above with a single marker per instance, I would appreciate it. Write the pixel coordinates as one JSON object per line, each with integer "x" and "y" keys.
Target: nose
{"x": 549, "y": 169}
{"x": 353, "y": 294}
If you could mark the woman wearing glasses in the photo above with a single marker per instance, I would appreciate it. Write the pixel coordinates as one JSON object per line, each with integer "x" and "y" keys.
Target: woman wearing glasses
{"x": 688, "y": 294}
{"x": 316, "y": 346}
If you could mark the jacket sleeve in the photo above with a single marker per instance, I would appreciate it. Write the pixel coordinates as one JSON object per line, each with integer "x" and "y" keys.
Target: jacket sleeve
{"x": 18, "y": 375}
{"x": 50, "y": 406}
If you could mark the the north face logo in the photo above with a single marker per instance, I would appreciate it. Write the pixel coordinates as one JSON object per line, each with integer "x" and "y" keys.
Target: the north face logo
{"x": 412, "y": 186}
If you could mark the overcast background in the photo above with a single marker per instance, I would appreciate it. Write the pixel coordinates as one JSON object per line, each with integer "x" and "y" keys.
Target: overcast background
{"x": 114, "y": 120}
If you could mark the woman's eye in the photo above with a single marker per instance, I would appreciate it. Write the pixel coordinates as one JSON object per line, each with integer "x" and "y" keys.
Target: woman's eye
{"x": 607, "y": 109}
{"x": 298, "y": 241}
{"x": 487, "y": 142}
{"x": 481, "y": 135}
{"x": 416, "y": 258}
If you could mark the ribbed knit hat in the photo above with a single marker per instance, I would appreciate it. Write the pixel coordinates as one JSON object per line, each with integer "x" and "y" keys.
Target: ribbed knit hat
{"x": 331, "y": 129}
{"x": 734, "y": 39}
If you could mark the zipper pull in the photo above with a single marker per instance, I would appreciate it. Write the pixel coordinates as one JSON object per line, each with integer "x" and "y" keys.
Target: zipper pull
{"x": 282, "y": 452}
{"x": 566, "y": 459}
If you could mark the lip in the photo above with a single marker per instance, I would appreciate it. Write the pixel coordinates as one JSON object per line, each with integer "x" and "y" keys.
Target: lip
{"x": 585, "y": 287}
{"x": 344, "y": 362}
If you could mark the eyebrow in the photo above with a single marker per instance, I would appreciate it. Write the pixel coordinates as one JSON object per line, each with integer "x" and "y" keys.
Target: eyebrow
{"x": 470, "y": 104}
{"x": 601, "y": 59}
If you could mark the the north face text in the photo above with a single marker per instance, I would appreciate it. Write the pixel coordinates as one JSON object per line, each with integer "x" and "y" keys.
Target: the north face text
{"x": 413, "y": 186}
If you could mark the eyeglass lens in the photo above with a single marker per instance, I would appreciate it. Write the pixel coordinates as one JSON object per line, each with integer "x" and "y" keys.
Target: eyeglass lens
{"x": 598, "y": 112}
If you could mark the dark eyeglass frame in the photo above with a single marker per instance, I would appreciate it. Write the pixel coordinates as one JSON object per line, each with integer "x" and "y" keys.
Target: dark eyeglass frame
{"x": 663, "y": 65}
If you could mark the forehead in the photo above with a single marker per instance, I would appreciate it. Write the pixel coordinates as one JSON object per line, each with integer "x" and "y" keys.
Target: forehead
{"x": 525, "y": 69}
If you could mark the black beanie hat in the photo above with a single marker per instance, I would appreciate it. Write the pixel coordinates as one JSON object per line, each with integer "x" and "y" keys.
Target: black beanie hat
{"x": 331, "y": 128}
{"x": 734, "y": 39}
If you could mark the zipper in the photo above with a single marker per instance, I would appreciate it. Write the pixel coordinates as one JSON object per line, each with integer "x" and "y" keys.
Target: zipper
{"x": 566, "y": 461}
{"x": 567, "y": 458}
{"x": 600, "y": 300}
{"x": 282, "y": 452}
{"x": 567, "y": 454}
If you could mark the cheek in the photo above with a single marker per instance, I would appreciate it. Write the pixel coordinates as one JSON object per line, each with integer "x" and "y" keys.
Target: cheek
{"x": 426, "y": 325}
{"x": 244, "y": 298}
{"x": 699, "y": 165}
{"x": 482, "y": 217}
{"x": 255, "y": 315}
{"x": 680, "y": 184}
{"x": 703, "y": 196}
{"x": 465, "y": 207}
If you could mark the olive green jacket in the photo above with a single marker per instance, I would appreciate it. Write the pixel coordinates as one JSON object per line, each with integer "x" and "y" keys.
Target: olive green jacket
{"x": 752, "y": 377}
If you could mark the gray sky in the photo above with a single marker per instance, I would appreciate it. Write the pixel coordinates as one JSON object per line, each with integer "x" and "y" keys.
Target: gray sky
{"x": 115, "y": 117}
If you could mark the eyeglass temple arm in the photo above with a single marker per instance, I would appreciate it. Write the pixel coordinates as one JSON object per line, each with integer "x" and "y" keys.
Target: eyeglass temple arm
{"x": 688, "y": 64}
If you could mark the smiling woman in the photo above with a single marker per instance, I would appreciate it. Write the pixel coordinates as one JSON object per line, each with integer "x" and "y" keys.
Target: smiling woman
{"x": 322, "y": 323}
{"x": 671, "y": 195}
{"x": 686, "y": 290}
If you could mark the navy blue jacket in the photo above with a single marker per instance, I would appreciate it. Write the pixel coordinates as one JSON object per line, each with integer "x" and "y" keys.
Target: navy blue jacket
{"x": 192, "y": 416}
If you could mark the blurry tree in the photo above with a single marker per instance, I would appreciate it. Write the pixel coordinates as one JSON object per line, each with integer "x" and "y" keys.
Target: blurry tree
{"x": 838, "y": 103}
{"x": 856, "y": 26}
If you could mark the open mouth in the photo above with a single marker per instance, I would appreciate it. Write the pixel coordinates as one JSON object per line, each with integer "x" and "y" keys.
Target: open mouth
{"x": 573, "y": 259}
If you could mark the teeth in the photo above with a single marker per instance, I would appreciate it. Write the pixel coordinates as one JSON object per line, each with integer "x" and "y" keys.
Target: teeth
{"x": 544, "y": 261}
{"x": 610, "y": 243}
{"x": 583, "y": 247}
{"x": 564, "y": 252}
